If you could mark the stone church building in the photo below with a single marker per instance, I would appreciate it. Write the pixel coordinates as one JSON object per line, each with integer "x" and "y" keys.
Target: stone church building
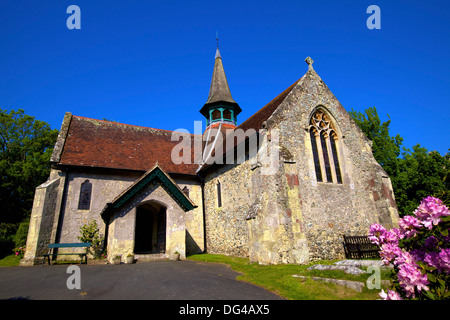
{"x": 153, "y": 194}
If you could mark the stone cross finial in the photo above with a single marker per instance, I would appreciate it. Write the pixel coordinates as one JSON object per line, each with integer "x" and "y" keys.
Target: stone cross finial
{"x": 310, "y": 62}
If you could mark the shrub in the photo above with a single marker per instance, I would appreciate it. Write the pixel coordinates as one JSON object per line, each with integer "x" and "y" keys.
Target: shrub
{"x": 90, "y": 233}
{"x": 19, "y": 251}
{"x": 20, "y": 239}
{"x": 420, "y": 252}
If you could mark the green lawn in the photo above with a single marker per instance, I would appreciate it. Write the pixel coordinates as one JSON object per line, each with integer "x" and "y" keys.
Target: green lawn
{"x": 10, "y": 261}
{"x": 278, "y": 279}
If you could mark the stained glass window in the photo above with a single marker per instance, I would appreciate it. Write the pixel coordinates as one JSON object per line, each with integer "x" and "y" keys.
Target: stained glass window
{"x": 84, "y": 202}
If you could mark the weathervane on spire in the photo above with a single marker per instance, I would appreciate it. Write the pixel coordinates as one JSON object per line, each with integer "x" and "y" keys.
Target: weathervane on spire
{"x": 217, "y": 39}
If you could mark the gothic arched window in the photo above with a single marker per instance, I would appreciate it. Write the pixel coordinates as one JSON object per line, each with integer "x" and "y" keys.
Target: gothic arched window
{"x": 324, "y": 142}
{"x": 333, "y": 139}
{"x": 312, "y": 135}
{"x": 84, "y": 202}
{"x": 326, "y": 159}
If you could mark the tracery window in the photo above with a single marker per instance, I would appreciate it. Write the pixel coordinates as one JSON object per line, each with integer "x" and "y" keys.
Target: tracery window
{"x": 84, "y": 202}
{"x": 324, "y": 142}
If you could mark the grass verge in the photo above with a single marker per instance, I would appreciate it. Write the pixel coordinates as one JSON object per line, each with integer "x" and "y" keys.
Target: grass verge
{"x": 279, "y": 279}
{"x": 10, "y": 261}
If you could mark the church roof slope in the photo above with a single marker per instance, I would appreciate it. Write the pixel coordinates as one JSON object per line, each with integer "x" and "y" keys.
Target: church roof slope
{"x": 106, "y": 144}
{"x": 257, "y": 119}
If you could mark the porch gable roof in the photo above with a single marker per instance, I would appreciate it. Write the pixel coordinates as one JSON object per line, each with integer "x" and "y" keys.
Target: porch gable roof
{"x": 165, "y": 181}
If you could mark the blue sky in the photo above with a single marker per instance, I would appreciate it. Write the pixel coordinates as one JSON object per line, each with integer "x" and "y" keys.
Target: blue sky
{"x": 150, "y": 63}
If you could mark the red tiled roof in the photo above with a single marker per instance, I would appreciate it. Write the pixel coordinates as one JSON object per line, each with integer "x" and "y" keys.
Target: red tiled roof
{"x": 98, "y": 143}
{"x": 256, "y": 120}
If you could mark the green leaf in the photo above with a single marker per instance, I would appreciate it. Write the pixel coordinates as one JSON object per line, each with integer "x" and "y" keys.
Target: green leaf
{"x": 431, "y": 277}
{"x": 444, "y": 232}
{"x": 430, "y": 295}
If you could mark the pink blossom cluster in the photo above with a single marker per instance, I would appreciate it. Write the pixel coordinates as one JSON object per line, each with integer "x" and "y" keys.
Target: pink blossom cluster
{"x": 409, "y": 274}
{"x": 390, "y": 295}
{"x": 430, "y": 212}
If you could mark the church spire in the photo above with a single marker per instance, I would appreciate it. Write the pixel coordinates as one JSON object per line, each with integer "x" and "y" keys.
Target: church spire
{"x": 220, "y": 105}
{"x": 219, "y": 90}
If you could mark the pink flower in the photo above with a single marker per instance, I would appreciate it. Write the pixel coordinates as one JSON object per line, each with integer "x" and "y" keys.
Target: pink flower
{"x": 390, "y": 295}
{"x": 403, "y": 257}
{"x": 409, "y": 222}
{"x": 377, "y": 234}
{"x": 392, "y": 236}
{"x": 408, "y": 226}
{"x": 430, "y": 211}
{"x": 439, "y": 260}
{"x": 445, "y": 255}
{"x": 389, "y": 252}
{"x": 410, "y": 278}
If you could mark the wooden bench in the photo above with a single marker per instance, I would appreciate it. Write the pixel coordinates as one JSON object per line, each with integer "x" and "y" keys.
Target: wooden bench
{"x": 360, "y": 247}
{"x": 54, "y": 246}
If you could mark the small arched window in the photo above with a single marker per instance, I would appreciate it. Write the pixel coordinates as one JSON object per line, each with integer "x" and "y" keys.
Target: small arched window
{"x": 324, "y": 143}
{"x": 84, "y": 203}
{"x": 219, "y": 194}
{"x": 216, "y": 115}
{"x": 227, "y": 114}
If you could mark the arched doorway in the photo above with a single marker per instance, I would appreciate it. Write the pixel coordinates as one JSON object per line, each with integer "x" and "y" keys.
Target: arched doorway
{"x": 150, "y": 228}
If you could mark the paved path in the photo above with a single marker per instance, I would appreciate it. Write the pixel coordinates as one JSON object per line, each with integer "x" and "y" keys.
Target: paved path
{"x": 157, "y": 280}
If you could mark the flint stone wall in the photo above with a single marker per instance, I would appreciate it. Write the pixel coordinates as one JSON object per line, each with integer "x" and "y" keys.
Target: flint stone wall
{"x": 292, "y": 218}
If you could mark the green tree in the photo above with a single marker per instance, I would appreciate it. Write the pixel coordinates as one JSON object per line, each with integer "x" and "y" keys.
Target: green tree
{"x": 414, "y": 174}
{"x": 421, "y": 174}
{"x": 26, "y": 145}
{"x": 386, "y": 149}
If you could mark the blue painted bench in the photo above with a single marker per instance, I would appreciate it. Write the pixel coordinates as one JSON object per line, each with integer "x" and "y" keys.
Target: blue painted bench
{"x": 53, "y": 246}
